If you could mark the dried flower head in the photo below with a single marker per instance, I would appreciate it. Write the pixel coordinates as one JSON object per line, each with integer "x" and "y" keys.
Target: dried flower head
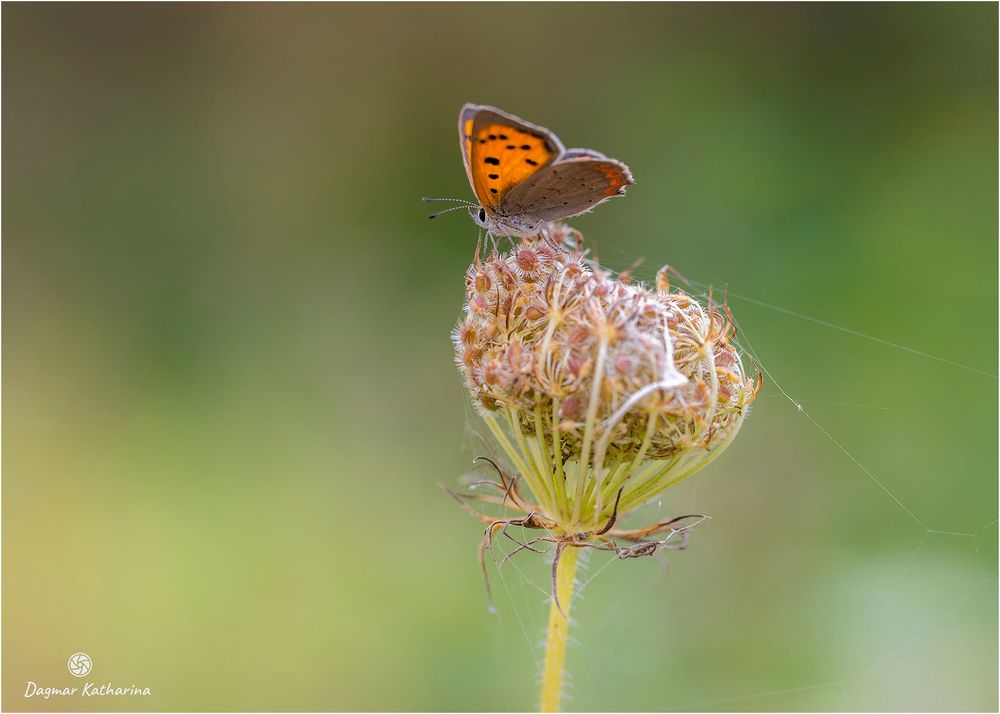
{"x": 601, "y": 393}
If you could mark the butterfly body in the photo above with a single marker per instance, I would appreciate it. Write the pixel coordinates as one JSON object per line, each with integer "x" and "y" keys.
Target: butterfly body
{"x": 524, "y": 178}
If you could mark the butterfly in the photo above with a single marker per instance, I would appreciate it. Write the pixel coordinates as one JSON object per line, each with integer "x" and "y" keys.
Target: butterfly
{"x": 524, "y": 178}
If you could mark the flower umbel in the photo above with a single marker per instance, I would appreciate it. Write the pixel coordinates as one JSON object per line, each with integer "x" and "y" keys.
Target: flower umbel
{"x": 601, "y": 393}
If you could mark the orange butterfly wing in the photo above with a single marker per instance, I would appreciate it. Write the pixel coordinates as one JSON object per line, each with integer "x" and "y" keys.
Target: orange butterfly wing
{"x": 501, "y": 151}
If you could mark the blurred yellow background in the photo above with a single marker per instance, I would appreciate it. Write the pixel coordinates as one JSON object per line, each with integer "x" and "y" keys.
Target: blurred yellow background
{"x": 228, "y": 386}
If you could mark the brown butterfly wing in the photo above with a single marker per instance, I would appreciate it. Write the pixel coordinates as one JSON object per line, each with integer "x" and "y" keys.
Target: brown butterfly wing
{"x": 580, "y": 180}
{"x": 501, "y": 151}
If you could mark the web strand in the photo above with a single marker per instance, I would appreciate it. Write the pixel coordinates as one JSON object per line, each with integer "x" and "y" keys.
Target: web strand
{"x": 862, "y": 335}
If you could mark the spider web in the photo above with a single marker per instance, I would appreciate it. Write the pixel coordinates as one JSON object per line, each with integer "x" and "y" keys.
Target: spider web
{"x": 949, "y": 601}
{"x": 867, "y": 662}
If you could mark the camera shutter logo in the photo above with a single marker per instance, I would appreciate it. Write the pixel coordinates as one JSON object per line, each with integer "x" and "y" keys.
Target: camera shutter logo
{"x": 80, "y": 664}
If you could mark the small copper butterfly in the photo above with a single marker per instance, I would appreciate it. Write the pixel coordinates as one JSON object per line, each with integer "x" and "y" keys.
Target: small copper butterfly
{"x": 524, "y": 178}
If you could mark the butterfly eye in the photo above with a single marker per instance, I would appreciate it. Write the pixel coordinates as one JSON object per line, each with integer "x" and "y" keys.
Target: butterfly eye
{"x": 478, "y": 214}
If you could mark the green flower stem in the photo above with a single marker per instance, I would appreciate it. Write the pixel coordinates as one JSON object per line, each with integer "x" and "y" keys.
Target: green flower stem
{"x": 558, "y": 632}
{"x": 670, "y": 477}
{"x": 515, "y": 456}
{"x": 588, "y": 429}
{"x": 562, "y": 501}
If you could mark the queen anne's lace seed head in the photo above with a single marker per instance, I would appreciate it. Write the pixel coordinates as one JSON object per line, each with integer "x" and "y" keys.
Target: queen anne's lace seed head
{"x": 583, "y": 366}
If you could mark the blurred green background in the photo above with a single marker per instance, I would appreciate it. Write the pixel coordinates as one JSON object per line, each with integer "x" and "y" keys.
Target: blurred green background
{"x": 228, "y": 386}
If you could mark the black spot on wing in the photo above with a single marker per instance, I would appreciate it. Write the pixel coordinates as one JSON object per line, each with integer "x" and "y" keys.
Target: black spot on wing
{"x": 492, "y": 161}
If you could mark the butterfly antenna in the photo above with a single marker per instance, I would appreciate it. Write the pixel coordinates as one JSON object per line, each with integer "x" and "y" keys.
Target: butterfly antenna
{"x": 447, "y": 210}
{"x": 456, "y": 200}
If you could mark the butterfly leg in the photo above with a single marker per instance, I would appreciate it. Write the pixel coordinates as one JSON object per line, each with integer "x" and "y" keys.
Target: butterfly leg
{"x": 546, "y": 234}
{"x": 492, "y": 241}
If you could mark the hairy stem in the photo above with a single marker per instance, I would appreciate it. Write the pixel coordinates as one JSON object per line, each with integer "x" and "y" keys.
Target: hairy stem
{"x": 562, "y": 502}
{"x": 558, "y": 632}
